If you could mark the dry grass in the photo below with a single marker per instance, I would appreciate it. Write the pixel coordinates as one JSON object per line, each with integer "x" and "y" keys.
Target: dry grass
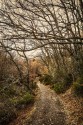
{"x": 74, "y": 107}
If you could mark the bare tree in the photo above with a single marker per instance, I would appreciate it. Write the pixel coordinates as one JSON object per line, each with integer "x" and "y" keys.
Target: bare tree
{"x": 55, "y": 27}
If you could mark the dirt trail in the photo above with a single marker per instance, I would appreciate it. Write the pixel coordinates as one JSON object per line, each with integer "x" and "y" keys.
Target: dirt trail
{"x": 48, "y": 108}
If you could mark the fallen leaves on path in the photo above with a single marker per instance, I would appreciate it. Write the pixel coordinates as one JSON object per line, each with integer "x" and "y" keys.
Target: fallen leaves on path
{"x": 49, "y": 110}
{"x": 74, "y": 107}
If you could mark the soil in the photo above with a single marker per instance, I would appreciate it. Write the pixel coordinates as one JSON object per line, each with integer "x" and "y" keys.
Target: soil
{"x": 48, "y": 108}
{"x": 52, "y": 109}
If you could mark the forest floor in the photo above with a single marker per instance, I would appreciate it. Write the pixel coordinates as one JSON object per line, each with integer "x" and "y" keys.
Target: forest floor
{"x": 73, "y": 106}
{"x": 50, "y": 109}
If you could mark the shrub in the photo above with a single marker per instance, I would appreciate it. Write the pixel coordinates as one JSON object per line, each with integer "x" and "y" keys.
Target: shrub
{"x": 26, "y": 99}
{"x": 6, "y": 116}
{"x": 59, "y": 88}
{"x": 78, "y": 88}
{"x": 68, "y": 79}
{"x": 46, "y": 79}
{"x": 8, "y": 91}
{"x": 80, "y": 80}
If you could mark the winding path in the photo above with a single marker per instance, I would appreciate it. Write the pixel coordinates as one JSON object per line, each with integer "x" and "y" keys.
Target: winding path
{"x": 48, "y": 108}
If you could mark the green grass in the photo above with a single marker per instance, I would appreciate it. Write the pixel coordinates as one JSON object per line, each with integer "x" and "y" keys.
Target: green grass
{"x": 9, "y": 111}
{"x": 23, "y": 101}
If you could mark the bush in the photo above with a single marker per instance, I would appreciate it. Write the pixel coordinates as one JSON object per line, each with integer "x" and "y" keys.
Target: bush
{"x": 6, "y": 116}
{"x": 8, "y": 91}
{"x": 59, "y": 88}
{"x": 46, "y": 79}
{"x": 80, "y": 80}
{"x": 26, "y": 99}
{"x": 68, "y": 79}
{"x": 78, "y": 88}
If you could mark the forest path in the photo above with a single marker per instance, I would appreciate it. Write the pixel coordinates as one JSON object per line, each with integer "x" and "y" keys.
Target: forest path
{"x": 48, "y": 108}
